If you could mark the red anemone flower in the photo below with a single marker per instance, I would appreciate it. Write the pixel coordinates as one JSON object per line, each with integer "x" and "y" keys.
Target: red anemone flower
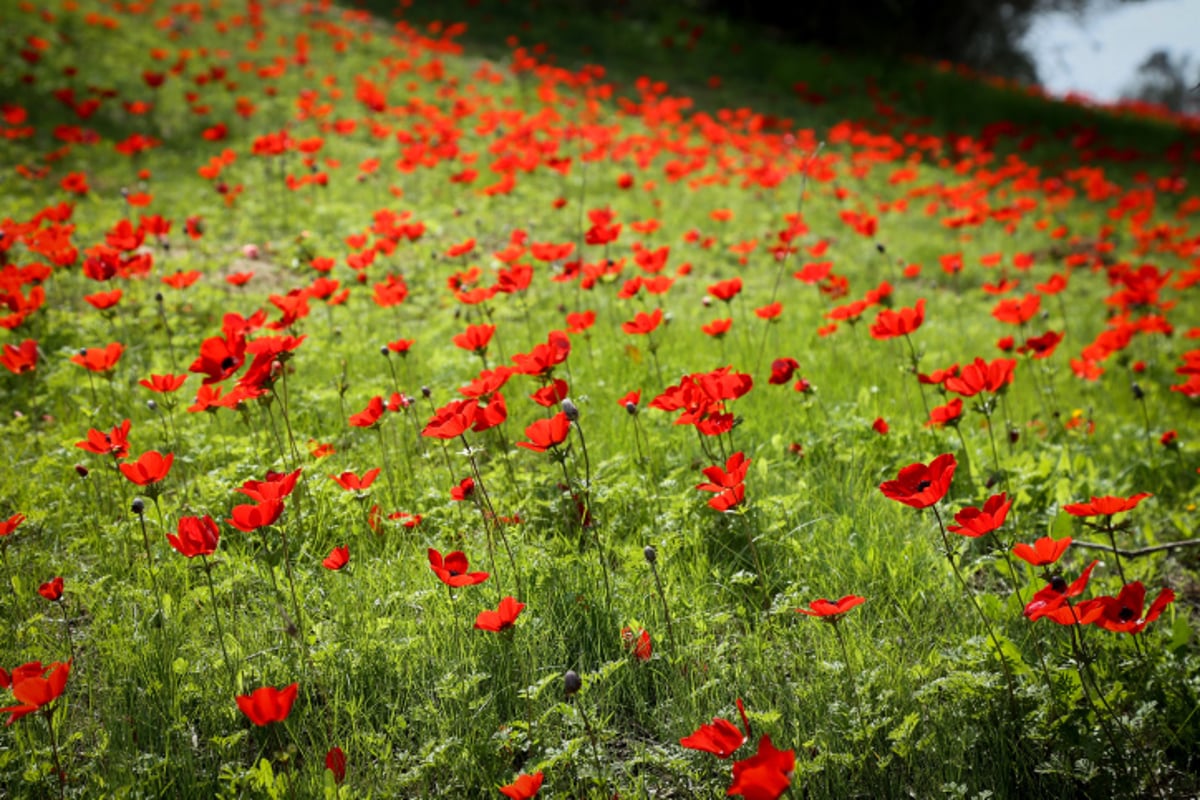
{"x": 99, "y": 359}
{"x": 163, "y": 384}
{"x": 1052, "y": 602}
{"x": 1105, "y": 506}
{"x": 20, "y": 359}
{"x": 643, "y": 323}
{"x": 452, "y": 420}
{"x": 502, "y": 618}
{"x": 268, "y": 704}
{"x": 721, "y": 738}
{"x": 338, "y": 557}
{"x": 335, "y": 762}
{"x": 151, "y": 467}
{"x": 782, "y": 370}
{"x": 52, "y": 589}
{"x": 733, "y": 474}
{"x": 974, "y": 522}
{"x": 9, "y": 525}
{"x": 452, "y": 569}
{"x": 1123, "y": 613}
{"x": 33, "y": 690}
{"x": 352, "y": 483}
{"x": 545, "y": 434}
{"x": 249, "y": 518}
{"x": 114, "y": 443}
{"x": 197, "y": 536}
{"x": 920, "y": 485}
{"x": 831, "y": 610}
{"x": 1043, "y": 552}
{"x": 475, "y": 338}
{"x": 764, "y": 776}
{"x": 369, "y": 415}
{"x": 637, "y": 642}
{"x": 524, "y": 787}
{"x": 464, "y": 489}
{"x": 890, "y": 324}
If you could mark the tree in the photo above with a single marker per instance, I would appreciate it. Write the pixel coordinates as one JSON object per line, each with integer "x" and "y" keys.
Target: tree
{"x": 1162, "y": 79}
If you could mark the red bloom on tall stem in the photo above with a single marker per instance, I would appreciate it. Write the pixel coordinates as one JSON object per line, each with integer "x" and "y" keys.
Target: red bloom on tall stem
{"x": 643, "y": 323}
{"x": 114, "y": 443}
{"x": 721, "y": 479}
{"x": 475, "y": 338}
{"x": 1043, "y": 552}
{"x": 782, "y": 370}
{"x": 369, "y": 415}
{"x": 249, "y": 518}
{"x": 99, "y": 359}
{"x": 52, "y": 589}
{"x": 545, "y": 434}
{"x": 725, "y": 291}
{"x": 452, "y": 569}
{"x": 464, "y": 489}
{"x": 1105, "y": 506}
{"x": 502, "y": 618}
{"x": 335, "y": 762}
{"x": 196, "y": 536}
{"x": 451, "y": 420}
{"x": 830, "y": 610}
{"x": 151, "y": 467}
{"x": 9, "y": 525}
{"x": 338, "y": 557}
{"x": 764, "y": 776}
{"x": 352, "y": 483}
{"x": 890, "y": 324}
{"x": 922, "y": 485}
{"x": 721, "y": 738}
{"x": 163, "y": 384}
{"x": 982, "y": 376}
{"x": 974, "y": 522}
{"x": 33, "y": 690}
{"x": 1123, "y": 613}
{"x": 1052, "y": 601}
{"x": 524, "y": 787}
{"x": 20, "y": 359}
{"x": 268, "y": 704}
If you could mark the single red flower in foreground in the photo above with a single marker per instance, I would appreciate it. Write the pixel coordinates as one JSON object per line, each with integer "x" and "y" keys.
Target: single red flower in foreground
{"x": 974, "y": 522}
{"x": 268, "y": 704}
{"x": 465, "y": 488}
{"x": 197, "y": 536}
{"x": 33, "y": 690}
{"x": 920, "y": 485}
{"x": 335, "y": 762}
{"x": 338, "y": 557}
{"x": 524, "y": 787}
{"x": 733, "y": 474}
{"x": 1105, "y": 506}
{"x": 1123, "y": 613}
{"x": 52, "y": 589}
{"x": 20, "y": 359}
{"x": 452, "y": 569}
{"x": 880, "y": 426}
{"x": 1043, "y": 552}
{"x": 831, "y": 610}
{"x": 721, "y": 738}
{"x": 547, "y": 433}
{"x": 151, "y": 467}
{"x": 502, "y": 618}
{"x": 782, "y": 370}
{"x": 765, "y": 775}
{"x": 114, "y": 443}
{"x": 99, "y": 359}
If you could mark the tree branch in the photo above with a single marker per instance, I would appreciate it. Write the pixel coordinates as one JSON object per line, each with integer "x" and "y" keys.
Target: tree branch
{"x": 1141, "y": 551}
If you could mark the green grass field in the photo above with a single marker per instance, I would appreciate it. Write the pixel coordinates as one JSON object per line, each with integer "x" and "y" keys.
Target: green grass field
{"x": 362, "y": 240}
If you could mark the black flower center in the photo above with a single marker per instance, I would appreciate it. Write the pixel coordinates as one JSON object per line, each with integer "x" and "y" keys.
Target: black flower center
{"x": 923, "y": 485}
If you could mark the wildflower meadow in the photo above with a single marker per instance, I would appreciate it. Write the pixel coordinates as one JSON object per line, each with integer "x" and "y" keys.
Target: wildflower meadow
{"x": 501, "y": 400}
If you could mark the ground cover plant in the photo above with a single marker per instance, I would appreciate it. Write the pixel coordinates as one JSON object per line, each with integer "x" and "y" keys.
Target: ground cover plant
{"x": 390, "y": 412}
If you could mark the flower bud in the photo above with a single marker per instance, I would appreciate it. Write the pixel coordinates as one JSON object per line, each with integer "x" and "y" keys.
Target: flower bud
{"x": 139, "y": 506}
{"x": 572, "y": 683}
{"x": 426, "y": 392}
{"x": 153, "y": 406}
{"x": 1138, "y": 394}
{"x": 570, "y": 409}
{"x": 383, "y": 351}
{"x": 81, "y": 470}
{"x": 631, "y": 408}
{"x": 650, "y": 553}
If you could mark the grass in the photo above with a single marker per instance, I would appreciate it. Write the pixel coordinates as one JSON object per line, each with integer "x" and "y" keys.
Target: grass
{"x": 905, "y": 696}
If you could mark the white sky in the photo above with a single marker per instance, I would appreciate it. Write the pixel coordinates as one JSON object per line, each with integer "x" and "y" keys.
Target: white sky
{"x": 1098, "y": 55}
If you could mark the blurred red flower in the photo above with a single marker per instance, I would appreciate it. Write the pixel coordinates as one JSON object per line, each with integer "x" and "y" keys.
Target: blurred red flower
{"x": 151, "y": 467}
{"x": 524, "y": 787}
{"x": 268, "y": 704}
{"x": 764, "y": 776}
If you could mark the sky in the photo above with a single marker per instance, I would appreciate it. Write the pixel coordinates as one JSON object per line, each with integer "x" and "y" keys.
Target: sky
{"x": 1099, "y": 54}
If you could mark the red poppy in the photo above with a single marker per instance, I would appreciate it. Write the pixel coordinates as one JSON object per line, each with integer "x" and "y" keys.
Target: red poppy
{"x": 1123, "y": 613}
{"x": 249, "y": 518}
{"x": 452, "y": 570}
{"x": 151, "y": 467}
{"x": 732, "y": 475}
{"x": 580, "y": 321}
{"x": 352, "y": 483}
{"x": 99, "y": 359}
{"x": 782, "y": 370}
{"x": 20, "y": 359}
{"x": 726, "y": 290}
{"x": 832, "y": 610}
{"x": 769, "y": 312}
{"x": 524, "y": 787}
{"x": 890, "y": 324}
{"x": 1043, "y": 552}
{"x": 33, "y": 690}
{"x": 464, "y": 489}
{"x": 920, "y": 485}
{"x": 1105, "y": 506}
{"x": 335, "y": 762}
{"x": 451, "y": 420}
{"x": 643, "y": 323}
{"x": 1051, "y": 602}
{"x": 102, "y": 301}
{"x": 52, "y": 589}
{"x": 545, "y": 434}
{"x": 630, "y": 399}
{"x": 880, "y": 426}
{"x": 163, "y": 384}
{"x": 974, "y": 522}
{"x": 268, "y": 704}
{"x": 764, "y": 776}
{"x": 717, "y": 328}
{"x": 369, "y": 415}
{"x": 9, "y": 525}
{"x": 338, "y": 557}
{"x": 1041, "y": 346}
{"x": 401, "y": 346}
{"x": 949, "y": 414}
{"x": 114, "y": 443}
{"x": 274, "y": 487}
{"x": 721, "y": 738}
{"x": 181, "y": 280}
{"x": 475, "y": 338}
{"x": 543, "y": 358}
{"x": 197, "y": 536}
{"x": 728, "y": 499}
{"x": 502, "y": 618}
{"x": 982, "y": 376}
{"x": 220, "y": 357}
{"x": 637, "y": 642}
{"x": 551, "y": 394}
